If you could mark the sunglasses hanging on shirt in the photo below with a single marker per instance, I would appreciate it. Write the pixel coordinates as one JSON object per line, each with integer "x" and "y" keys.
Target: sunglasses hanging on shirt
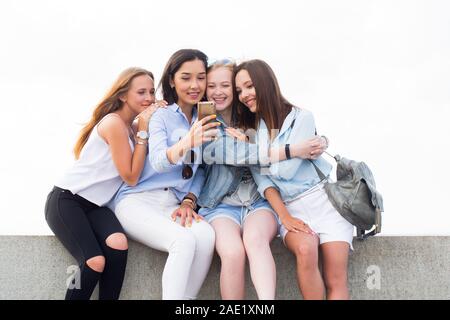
{"x": 187, "y": 171}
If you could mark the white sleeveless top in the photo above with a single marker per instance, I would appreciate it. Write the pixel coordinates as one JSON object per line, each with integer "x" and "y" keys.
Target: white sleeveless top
{"x": 94, "y": 175}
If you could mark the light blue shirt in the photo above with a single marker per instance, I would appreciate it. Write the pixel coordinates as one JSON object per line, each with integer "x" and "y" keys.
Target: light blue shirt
{"x": 167, "y": 126}
{"x": 295, "y": 176}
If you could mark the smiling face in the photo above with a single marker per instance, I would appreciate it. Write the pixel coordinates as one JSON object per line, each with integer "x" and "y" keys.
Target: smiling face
{"x": 246, "y": 91}
{"x": 189, "y": 83}
{"x": 141, "y": 94}
{"x": 219, "y": 87}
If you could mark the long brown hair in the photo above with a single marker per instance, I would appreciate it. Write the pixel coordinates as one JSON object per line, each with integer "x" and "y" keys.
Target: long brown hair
{"x": 273, "y": 108}
{"x": 110, "y": 103}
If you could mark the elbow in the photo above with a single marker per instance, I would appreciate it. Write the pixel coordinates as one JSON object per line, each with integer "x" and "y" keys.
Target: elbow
{"x": 130, "y": 180}
{"x": 282, "y": 172}
{"x": 160, "y": 162}
{"x": 131, "y": 183}
{"x": 154, "y": 163}
{"x": 276, "y": 172}
{"x": 284, "y": 175}
{"x": 269, "y": 192}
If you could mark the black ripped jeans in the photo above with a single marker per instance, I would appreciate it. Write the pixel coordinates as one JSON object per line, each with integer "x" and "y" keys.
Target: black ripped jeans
{"x": 83, "y": 227}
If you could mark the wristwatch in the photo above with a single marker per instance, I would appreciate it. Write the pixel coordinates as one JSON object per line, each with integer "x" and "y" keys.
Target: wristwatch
{"x": 142, "y": 135}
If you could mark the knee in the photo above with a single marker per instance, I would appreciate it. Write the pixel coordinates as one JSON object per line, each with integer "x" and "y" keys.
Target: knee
{"x": 185, "y": 241}
{"x": 234, "y": 255}
{"x": 205, "y": 236}
{"x": 254, "y": 239}
{"x": 306, "y": 254}
{"x": 96, "y": 263}
{"x": 117, "y": 241}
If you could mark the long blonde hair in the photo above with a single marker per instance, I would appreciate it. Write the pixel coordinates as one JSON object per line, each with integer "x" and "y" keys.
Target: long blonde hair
{"x": 230, "y": 65}
{"x": 110, "y": 103}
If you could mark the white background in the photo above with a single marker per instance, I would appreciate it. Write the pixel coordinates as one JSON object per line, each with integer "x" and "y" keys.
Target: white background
{"x": 376, "y": 75}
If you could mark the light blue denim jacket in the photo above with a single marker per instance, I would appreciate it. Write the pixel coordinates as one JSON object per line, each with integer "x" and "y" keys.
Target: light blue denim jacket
{"x": 295, "y": 176}
{"x": 166, "y": 128}
{"x": 224, "y": 161}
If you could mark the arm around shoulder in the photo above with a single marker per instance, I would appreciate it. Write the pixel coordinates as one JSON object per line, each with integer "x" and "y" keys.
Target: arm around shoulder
{"x": 129, "y": 164}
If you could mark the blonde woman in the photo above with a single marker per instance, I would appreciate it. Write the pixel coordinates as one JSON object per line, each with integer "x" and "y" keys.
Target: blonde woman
{"x": 109, "y": 151}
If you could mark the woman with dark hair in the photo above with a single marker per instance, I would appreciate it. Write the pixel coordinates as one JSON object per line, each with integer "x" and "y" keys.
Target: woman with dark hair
{"x": 292, "y": 187}
{"x": 159, "y": 210}
{"x": 76, "y": 207}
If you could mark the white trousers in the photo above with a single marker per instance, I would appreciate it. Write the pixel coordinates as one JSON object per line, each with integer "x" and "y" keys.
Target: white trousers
{"x": 145, "y": 217}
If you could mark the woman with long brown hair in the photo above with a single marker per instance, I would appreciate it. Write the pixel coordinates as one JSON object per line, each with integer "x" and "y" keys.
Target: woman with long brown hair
{"x": 292, "y": 187}
{"x": 109, "y": 151}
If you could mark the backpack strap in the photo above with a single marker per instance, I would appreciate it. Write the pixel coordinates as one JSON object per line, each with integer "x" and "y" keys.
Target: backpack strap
{"x": 292, "y": 124}
{"x": 319, "y": 172}
{"x": 362, "y": 235}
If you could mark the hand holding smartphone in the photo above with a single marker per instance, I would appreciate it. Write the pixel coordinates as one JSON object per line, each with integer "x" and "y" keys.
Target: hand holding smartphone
{"x": 206, "y": 108}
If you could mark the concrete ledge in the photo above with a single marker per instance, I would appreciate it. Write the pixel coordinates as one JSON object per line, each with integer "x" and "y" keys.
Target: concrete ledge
{"x": 35, "y": 267}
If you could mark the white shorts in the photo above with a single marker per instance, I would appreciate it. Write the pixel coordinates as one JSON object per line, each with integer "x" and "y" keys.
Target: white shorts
{"x": 314, "y": 208}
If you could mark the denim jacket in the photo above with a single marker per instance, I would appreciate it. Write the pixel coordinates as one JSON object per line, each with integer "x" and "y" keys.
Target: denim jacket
{"x": 294, "y": 176}
{"x": 223, "y": 161}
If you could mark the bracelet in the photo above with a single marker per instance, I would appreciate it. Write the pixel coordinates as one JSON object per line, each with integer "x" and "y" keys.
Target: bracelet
{"x": 191, "y": 203}
{"x": 189, "y": 200}
{"x": 287, "y": 151}
{"x": 141, "y": 142}
{"x": 191, "y": 196}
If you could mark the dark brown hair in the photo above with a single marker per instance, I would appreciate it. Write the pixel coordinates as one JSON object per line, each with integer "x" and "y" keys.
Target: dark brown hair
{"x": 272, "y": 107}
{"x": 173, "y": 65}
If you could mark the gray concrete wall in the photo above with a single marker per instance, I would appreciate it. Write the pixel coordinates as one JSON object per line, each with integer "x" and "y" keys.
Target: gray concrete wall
{"x": 35, "y": 267}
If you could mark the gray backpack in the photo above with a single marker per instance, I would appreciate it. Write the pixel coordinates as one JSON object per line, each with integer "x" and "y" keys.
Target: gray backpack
{"x": 354, "y": 196}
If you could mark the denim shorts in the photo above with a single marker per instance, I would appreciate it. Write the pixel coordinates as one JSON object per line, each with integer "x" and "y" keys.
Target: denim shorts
{"x": 238, "y": 214}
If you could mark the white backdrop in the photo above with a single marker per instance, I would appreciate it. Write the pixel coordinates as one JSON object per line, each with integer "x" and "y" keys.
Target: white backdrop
{"x": 376, "y": 75}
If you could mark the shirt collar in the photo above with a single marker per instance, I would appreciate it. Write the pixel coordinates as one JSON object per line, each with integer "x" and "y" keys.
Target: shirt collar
{"x": 262, "y": 128}
{"x": 221, "y": 120}
{"x": 174, "y": 107}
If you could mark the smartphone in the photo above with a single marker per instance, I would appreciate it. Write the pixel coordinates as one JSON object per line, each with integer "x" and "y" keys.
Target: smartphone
{"x": 206, "y": 108}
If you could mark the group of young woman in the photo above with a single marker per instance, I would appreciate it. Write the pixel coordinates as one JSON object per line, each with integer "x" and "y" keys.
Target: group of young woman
{"x": 151, "y": 171}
